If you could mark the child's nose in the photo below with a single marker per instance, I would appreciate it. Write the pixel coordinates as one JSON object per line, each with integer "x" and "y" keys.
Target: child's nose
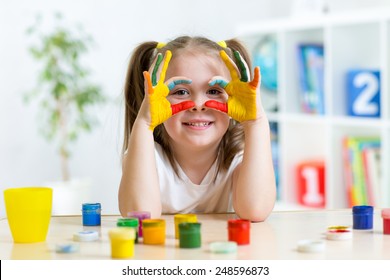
{"x": 199, "y": 105}
{"x": 198, "y": 108}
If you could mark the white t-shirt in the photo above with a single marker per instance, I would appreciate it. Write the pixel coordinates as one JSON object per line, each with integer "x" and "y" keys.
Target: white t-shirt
{"x": 180, "y": 195}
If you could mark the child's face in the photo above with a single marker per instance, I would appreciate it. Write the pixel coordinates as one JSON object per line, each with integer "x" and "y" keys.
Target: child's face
{"x": 199, "y": 126}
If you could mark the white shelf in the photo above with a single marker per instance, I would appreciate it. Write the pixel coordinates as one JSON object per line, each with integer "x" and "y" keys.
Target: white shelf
{"x": 358, "y": 40}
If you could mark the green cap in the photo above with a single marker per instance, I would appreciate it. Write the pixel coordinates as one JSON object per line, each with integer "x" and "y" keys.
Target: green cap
{"x": 127, "y": 222}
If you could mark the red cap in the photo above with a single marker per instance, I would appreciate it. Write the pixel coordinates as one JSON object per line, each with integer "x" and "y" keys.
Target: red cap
{"x": 239, "y": 223}
{"x": 386, "y": 213}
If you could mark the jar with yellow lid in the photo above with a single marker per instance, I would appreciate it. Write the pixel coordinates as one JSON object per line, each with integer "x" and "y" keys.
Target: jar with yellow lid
{"x": 122, "y": 242}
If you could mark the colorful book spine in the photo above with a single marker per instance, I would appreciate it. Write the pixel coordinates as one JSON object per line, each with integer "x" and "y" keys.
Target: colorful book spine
{"x": 311, "y": 77}
{"x": 360, "y": 171}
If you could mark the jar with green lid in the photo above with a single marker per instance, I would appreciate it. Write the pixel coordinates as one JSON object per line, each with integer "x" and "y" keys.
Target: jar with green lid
{"x": 189, "y": 235}
{"x": 183, "y": 218}
{"x": 129, "y": 222}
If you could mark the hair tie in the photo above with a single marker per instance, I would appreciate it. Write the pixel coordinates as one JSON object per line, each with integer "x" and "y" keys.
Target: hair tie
{"x": 160, "y": 45}
{"x": 222, "y": 44}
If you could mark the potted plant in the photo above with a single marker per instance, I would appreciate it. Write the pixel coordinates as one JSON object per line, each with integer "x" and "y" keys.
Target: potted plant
{"x": 65, "y": 94}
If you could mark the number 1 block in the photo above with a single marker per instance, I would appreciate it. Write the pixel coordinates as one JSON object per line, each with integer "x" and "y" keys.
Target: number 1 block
{"x": 311, "y": 183}
{"x": 363, "y": 93}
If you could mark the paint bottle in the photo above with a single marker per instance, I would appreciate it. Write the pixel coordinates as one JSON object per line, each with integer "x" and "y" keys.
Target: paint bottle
{"x": 140, "y": 215}
{"x": 129, "y": 222}
{"x": 239, "y": 231}
{"x": 386, "y": 220}
{"x": 189, "y": 236}
{"x": 153, "y": 231}
{"x": 122, "y": 242}
{"x": 183, "y": 218}
{"x": 363, "y": 217}
{"x": 91, "y": 214}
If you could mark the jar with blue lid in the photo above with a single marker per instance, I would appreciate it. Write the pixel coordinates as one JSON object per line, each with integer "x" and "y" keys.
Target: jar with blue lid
{"x": 363, "y": 217}
{"x": 91, "y": 214}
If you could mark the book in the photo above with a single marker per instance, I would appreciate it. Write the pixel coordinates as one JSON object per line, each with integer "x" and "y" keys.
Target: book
{"x": 275, "y": 154}
{"x": 360, "y": 189}
{"x": 372, "y": 175}
{"x": 311, "y": 77}
{"x": 348, "y": 173}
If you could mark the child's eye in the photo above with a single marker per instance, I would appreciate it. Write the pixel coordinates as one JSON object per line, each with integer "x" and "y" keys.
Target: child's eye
{"x": 180, "y": 92}
{"x": 214, "y": 92}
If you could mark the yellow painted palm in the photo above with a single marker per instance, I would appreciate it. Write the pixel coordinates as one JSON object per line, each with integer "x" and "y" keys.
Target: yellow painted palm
{"x": 157, "y": 91}
{"x": 241, "y": 104}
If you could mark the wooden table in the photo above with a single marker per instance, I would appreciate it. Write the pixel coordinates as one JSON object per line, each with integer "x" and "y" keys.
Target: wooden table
{"x": 274, "y": 239}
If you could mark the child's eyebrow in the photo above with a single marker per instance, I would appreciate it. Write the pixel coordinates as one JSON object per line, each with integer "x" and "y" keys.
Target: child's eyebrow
{"x": 174, "y": 83}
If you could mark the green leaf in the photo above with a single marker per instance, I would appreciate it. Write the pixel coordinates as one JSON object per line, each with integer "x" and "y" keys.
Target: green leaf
{"x": 63, "y": 87}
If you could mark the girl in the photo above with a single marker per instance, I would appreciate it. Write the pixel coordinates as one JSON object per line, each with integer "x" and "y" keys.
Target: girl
{"x": 184, "y": 149}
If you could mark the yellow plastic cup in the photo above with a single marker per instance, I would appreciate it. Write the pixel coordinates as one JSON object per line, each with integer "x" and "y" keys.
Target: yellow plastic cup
{"x": 122, "y": 242}
{"x": 183, "y": 218}
{"x": 28, "y": 212}
{"x": 153, "y": 231}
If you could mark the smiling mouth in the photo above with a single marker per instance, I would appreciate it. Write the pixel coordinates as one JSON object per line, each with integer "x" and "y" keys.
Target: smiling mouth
{"x": 198, "y": 124}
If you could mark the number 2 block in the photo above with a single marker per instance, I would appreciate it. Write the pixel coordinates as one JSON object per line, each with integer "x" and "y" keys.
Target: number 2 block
{"x": 363, "y": 93}
{"x": 311, "y": 183}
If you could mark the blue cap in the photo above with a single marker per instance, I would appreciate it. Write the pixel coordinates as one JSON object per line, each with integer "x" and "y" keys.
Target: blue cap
{"x": 362, "y": 209}
{"x": 91, "y": 206}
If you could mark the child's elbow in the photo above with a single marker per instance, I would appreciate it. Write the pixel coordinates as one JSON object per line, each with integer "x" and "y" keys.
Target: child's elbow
{"x": 255, "y": 214}
{"x": 254, "y": 217}
{"x": 124, "y": 209}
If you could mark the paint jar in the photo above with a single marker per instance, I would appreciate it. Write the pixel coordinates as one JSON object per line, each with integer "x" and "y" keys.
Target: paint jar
{"x": 129, "y": 222}
{"x": 183, "y": 218}
{"x": 91, "y": 214}
{"x": 140, "y": 215}
{"x": 122, "y": 242}
{"x": 189, "y": 235}
{"x": 386, "y": 221}
{"x": 362, "y": 217}
{"x": 153, "y": 231}
{"x": 239, "y": 231}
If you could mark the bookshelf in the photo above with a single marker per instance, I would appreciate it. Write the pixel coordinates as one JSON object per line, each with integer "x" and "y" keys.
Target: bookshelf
{"x": 355, "y": 40}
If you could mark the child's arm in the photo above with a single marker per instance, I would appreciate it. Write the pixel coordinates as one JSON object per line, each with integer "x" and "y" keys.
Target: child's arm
{"x": 139, "y": 188}
{"x": 254, "y": 188}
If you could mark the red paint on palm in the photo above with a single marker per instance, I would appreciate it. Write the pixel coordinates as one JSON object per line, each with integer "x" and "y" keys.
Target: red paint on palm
{"x": 176, "y": 108}
{"x": 217, "y": 105}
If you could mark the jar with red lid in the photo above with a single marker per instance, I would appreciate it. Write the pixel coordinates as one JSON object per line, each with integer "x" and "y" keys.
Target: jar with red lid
{"x": 386, "y": 220}
{"x": 239, "y": 231}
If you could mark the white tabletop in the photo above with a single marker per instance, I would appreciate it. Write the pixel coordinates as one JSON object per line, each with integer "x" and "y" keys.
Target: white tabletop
{"x": 274, "y": 239}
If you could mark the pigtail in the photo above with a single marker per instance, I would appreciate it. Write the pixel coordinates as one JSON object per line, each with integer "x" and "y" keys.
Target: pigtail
{"x": 140, "y": 61}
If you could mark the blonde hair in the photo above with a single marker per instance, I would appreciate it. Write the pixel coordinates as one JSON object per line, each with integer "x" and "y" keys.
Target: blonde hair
{"x": 141, "y": 60}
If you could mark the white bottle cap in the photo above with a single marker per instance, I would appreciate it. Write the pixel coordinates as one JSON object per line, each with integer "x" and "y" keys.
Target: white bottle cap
{"x": 67, "y": 248}
{"x": 311, "y": 246}
{"x": 223, "y": 247}
{"x": 341, "y": 234}
{"x": 86, "y": 236}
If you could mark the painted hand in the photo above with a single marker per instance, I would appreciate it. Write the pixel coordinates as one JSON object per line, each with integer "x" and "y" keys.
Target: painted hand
{"x": 157, "y": 91}
{"x": 242, "y": 101}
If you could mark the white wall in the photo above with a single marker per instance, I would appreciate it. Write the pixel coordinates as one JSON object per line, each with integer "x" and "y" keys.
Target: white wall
{"x": 117, "y": 26}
